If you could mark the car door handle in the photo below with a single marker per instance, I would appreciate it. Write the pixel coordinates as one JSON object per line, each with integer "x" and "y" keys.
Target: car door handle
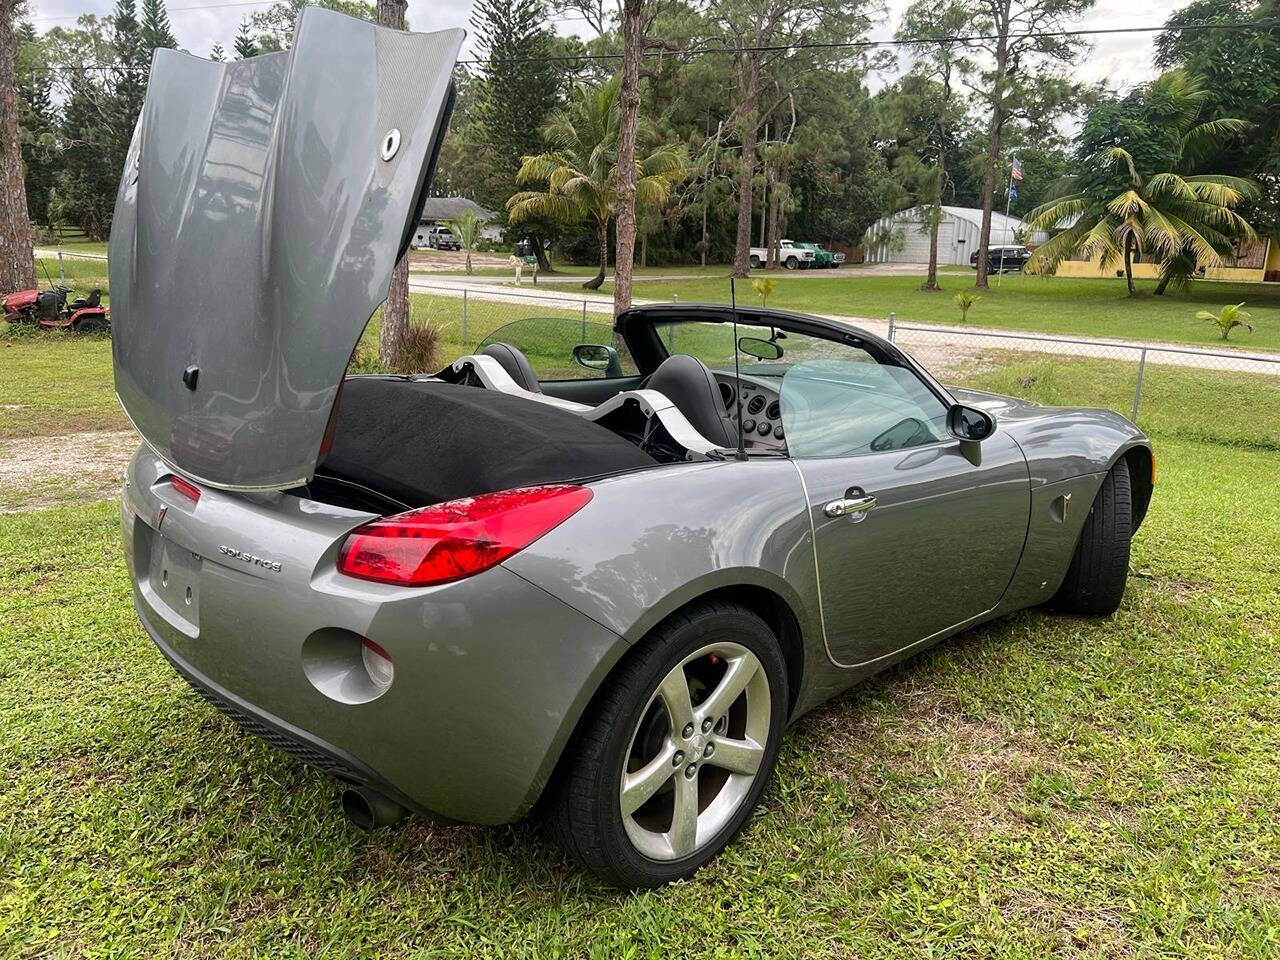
{"x": 849, "y": 505}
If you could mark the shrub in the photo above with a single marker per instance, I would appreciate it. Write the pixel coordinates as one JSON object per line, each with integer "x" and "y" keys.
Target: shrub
{"x": 1230, "y": 317}
{"x": 965, "y": 301}
{"x": 421, "y": 348}
{"x": 763, "y": 288}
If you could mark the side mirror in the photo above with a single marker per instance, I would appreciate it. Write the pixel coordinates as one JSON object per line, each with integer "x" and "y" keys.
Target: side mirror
{"x": 970, "y": 423}
{"x": 597, "y": 356}
{"x": 970, "y": 426}
{"x": 760, "y": 349}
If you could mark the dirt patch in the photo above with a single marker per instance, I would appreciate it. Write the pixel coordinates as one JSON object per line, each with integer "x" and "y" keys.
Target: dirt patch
{"x": 447, "y": 261}
{"x": 37, "y": 472}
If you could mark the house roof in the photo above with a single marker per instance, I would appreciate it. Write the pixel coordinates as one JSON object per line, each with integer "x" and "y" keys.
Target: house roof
{"x": 450, "y": 208}
{"x": 1000, "y": 224}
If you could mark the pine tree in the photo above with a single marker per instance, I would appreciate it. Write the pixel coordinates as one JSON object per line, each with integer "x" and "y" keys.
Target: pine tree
{"x": 37, "y": 120}
{"x": 17, "y": 270}
{"x": 217, "y": 53}
{"x": 245, "y": 46}
{"x": 156, "y": 31}
{"x": 514, "y": 99}
{"x": 121, "y": 102}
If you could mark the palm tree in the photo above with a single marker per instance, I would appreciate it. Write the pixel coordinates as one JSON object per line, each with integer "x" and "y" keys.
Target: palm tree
{"x": 1231, "y": 316}
{"x": 466, "y": 227}
{"x": 580, "y": 170}
{"x": 1118, "y": 205}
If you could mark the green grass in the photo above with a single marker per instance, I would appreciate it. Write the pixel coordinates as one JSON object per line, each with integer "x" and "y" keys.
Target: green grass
{"x": 1235, "y": 409}
{"x": 53, "y": 382}
{"x": 79, "y": 273}
{"x": 1041, "y": 786}
{"x": 1065, "y": 305}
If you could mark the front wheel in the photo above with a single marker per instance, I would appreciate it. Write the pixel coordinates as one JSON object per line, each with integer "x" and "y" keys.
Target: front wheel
{"x": 755, "y": 262}
{"x": 1099, "y": 569}
{"x": 791, "y": 263}
{"x": 677, "y": 749}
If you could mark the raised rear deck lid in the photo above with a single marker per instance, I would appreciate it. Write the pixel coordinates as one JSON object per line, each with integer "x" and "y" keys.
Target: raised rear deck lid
{"x": 262, "y": 208}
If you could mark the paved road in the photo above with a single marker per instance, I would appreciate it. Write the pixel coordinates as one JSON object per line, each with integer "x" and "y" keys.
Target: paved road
{"x": 938, "y": 346}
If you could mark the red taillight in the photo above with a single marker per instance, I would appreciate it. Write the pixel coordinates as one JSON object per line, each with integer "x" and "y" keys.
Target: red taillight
{"x": 450, "y": 541}
{"x": 185, "y": 487}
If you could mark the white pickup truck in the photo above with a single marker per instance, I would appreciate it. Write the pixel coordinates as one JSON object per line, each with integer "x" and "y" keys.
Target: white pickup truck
{"x": 789, "y": 255}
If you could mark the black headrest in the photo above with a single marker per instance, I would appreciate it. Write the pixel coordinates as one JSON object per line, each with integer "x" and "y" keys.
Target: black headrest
{"x": 691, "y": 386}
{"x": 515, "y": 363}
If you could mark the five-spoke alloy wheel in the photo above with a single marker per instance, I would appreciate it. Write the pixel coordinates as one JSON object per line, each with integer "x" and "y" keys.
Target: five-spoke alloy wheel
{"x": 677, "y": 750}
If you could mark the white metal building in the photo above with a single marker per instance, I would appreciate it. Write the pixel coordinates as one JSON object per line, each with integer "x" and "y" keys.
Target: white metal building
{"x": 958, "y": 235}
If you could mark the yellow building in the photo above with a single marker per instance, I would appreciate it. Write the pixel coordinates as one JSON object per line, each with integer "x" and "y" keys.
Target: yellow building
{"x": 1255, "y": 262}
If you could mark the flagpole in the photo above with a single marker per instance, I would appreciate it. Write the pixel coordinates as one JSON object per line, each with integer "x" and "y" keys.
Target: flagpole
{"x": 1008, "y": 199}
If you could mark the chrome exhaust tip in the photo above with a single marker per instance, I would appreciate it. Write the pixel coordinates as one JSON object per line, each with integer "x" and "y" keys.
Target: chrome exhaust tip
{"x": 367, "y": 809}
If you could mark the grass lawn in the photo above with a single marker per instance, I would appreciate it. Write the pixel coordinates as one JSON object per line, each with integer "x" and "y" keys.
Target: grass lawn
{"x": 1041, "y": 786}
{"x": 1066, "y": 305}
{"x": 53, "y": 382}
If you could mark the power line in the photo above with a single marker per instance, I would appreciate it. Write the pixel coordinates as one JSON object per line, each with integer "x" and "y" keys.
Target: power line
{"x": 200, "y": 6}
{"x": 904, "y": 42}
{"x": 678, "y": 52}
{"x": 256, "y": 3}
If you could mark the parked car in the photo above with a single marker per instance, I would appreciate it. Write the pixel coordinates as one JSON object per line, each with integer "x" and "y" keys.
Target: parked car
{"x": 1007, "y": 257}
{"x": 791, "y": 255}
{"x": 822, "y": 257}
{"x": 442, "y": 238}
{"x": 589, "y": 572}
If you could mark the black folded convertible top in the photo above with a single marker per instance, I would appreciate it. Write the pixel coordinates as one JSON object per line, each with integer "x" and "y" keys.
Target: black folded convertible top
{"x": 423, "y": 441}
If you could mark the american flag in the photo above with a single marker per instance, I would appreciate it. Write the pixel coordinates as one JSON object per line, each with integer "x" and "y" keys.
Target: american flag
{"x": 1016, "y": 172}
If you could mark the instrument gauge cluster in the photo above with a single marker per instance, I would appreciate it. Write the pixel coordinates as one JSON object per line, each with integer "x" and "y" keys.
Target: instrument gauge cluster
{"x": 761, "y": 413}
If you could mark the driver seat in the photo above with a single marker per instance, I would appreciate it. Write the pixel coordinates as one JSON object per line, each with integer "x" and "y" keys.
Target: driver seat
{"x": 515, "y": 363}
{"x": 80, "y": 303}
{"x": 688, "y": 383}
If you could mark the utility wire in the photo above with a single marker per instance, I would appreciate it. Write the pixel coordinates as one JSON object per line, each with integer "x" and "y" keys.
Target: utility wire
{"x": 679, "y": 52}
{"x": 566, "y": 18}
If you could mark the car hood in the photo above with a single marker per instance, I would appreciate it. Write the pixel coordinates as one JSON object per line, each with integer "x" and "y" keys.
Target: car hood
{"x": 263, "y": 206}
{"x": 998, "y": 405}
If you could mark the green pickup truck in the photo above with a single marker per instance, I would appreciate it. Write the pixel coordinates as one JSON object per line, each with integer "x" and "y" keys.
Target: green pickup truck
{"x": 821, "y": 256}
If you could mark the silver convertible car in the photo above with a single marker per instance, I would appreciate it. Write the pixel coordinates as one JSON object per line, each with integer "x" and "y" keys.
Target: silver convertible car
{"x": 588, "y": 571}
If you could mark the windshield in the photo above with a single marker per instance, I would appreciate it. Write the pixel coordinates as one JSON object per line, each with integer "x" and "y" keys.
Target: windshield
{"x": 841, "y": 406}
{"x": 836, "y": 397}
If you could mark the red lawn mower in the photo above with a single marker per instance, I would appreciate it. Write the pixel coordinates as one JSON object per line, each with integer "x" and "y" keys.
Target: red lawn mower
{"x": 50, "y": 309}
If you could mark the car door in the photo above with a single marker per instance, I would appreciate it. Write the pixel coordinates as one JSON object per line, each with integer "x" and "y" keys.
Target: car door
{"x": 913, "y": 532}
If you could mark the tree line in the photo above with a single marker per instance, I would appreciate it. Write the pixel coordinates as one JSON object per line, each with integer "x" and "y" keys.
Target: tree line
{"x": 623, "y": 146}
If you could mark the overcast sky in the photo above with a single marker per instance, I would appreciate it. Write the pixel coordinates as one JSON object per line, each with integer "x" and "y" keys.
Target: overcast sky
{"x": 1122, "y": 60}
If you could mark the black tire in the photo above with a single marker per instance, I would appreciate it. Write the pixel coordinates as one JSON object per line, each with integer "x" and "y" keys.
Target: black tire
{"x": 791, "y": 263}
{"x": 583, "y": 814}
{"x": 1095, "y": 581}
{"x": 755, "y": 263}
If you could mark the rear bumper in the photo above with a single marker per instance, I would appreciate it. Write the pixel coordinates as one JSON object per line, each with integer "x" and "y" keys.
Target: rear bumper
{"x": 280, "y": 734}
{"x": 491, "y": 673}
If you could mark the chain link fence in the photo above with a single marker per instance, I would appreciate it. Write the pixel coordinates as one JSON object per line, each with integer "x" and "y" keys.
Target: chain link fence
{"x": 1229, "y": 395}
{"x": 1225, "y": 396}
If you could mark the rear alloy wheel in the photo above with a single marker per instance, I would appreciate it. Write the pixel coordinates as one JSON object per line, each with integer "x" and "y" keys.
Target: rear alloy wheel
{"x": 677, "y": 751}
{"x": 1099, "y": 569}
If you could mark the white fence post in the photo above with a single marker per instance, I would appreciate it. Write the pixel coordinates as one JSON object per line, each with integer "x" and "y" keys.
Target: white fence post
{"x": 892, "y": 320}
{"x": 464, "y": 315}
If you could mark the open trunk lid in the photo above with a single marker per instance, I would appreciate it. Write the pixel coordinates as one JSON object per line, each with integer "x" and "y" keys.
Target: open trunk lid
{"x": 262, "y": 208}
